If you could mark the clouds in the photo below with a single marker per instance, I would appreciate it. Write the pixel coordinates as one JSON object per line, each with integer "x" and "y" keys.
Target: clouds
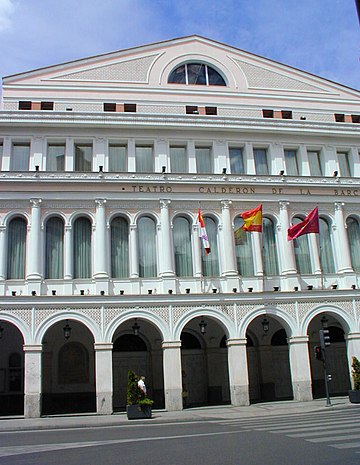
{"x": 6, "y": 9}
{"x": 319, "y": 36}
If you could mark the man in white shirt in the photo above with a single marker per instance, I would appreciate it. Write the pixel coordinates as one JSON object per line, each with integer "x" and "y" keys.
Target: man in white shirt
{"x": 141, "y": 385}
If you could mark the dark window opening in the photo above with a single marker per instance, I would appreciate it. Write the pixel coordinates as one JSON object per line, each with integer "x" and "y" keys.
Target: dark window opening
{"x": 339, "y": 117}
{"x": 130, "y": 107}
{"x": 210, "y": 110}
{"x": 47, "y": 105}
{"x": 192, "y": 110}
{"x": 196, "y": 74}
{"x": 355, "y": 118}
{"x": 109, "y": 106}
{"x": 279, "y": 338}
{"x": 24, "y": 105}
{"x": 129, "y": 343}
{"x": 268, "y": 113}
{"x": 189, "y": 341}
{"x": 285, "y": 114}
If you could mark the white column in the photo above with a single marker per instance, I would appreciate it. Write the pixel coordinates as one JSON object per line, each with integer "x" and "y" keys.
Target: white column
{"x": 134, "y": 252}
{"x": 6, "y": 155}
{"x": 288, "y": 265}
{"x": 191, "y": 156}
{"x": 166, "y": 255}
{"x": 238, "y": 372}
{"x": 69, "y": 154}
{"x": 249, "y": 162}
{"x": 131, "y": 156}
{"x": 104, "y": 378}
{"x": 68, "y": 245}
{"x": 353, "y": 350}
{"x": 229, "y": 264}
{"x": 3, "y": 250}
{"x": 32, "y": 383}
{"x": 256, "y": 246}
{"x": 300, "y": 368}
{"x": 100, "y": 252}
{"x": 197, "y": 251}
{"x": 314, "y": 254}
{"x": 34, "y": 243}
{"x": 172, "y": 375}
{"x": 343, "y": 250}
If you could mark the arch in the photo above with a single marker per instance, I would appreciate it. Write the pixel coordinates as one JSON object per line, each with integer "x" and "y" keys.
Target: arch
{"x": 68, "y": 315}
{"x": 346, "y": 320}
{"x": 353, "y": 235}
{"x": 282, "y": 317}
{"x": 189, "y": 341}
{"x": 53, "y": 214}
{"x": 13, "y": 215}
{"x": 148, "y": 316}
{"x": 80, "y": 214}
{"x": 129, "y": 343}
{"x": 195, "y": 72}
{"x": 20, "y": 325}
{"x": 224, "y": 321}
{"x": 116, "y": 214}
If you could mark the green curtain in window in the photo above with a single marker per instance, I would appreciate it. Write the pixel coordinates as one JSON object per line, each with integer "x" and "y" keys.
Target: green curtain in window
{"x": 54, "y": 259}
{"x": 269, "y": 256}
{"x": 147, "y": 247}
{"x": 261, "y": 163}
{"x": 16, "y": 249}
{"x": 203, "y": 160}
{"x": 20, "y": 157}
{"x": 353, "y": 232}
{"x": 83, "y": 157}
{"x": 182, "y": 247}
{"x": 117, "y": 158}
{"x": 119, "y": 248}
{"x": 178, "y": 159}
{"x": 325, "y": 247}
{"x": 82, "y": 248}
{"x": 302, "y": 251}
{"x": 144, "y": 159}
{"x": 243, "y": 251}
{"x": 210, "y": 262}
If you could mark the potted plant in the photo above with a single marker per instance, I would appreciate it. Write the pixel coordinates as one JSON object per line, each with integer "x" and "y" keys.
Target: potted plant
{"x": 138, "y": 405}
{"x": 354, "y": 394}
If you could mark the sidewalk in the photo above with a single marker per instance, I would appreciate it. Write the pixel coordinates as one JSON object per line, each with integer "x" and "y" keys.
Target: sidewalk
{"x": 223, "y": 412}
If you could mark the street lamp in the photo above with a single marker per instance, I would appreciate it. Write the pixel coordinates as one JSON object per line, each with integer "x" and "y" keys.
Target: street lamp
{"x": 202, "y": 325}
{"x": 135, "y": 328}
{"x": 265, "y": 325}
{"x": 67, "y": 330}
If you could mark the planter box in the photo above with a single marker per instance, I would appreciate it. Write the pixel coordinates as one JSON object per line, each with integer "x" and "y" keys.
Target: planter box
{"x": 354, "y": 397}
{"x": 135, "y": 412}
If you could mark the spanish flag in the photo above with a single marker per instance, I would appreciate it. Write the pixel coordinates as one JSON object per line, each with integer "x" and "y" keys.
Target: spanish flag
{"x": 252, "y": 219}
{"x": 309, "y": 225}
{"x": 202, "y": 233}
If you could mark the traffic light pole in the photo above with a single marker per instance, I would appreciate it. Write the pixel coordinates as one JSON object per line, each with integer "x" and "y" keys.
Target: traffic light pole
{"x": 324, "y": 342}
{"x": 326, "y": 379}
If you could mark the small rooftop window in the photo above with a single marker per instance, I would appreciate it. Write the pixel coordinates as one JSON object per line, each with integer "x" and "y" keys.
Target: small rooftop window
{"x": 196, "y": 74}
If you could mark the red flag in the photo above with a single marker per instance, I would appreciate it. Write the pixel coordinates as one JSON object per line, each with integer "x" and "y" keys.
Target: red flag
{"x": 252, "y": 219}
{"x": 202, "y": 233}
{"x": 309, "y": 225}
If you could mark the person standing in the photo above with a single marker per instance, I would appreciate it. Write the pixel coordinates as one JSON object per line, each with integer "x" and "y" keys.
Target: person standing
{"x": 141, "y": 385}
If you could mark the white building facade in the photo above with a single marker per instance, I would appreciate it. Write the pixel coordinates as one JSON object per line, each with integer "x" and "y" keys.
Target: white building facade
{"x": 105, "y": 162}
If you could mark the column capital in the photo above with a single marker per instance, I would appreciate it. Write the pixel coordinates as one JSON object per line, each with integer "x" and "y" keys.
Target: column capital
{"x": 225, "y": 204}
{"x": 100, "y": 203}
{"x": 171, "y": 344}
{"x": 339, "y": 206}
{"x": 236, "y": 342}
{"x": 35, "y": 203}
{"x": 283, "y": 205}
{"x": 165, "y": 203}
{"x": 34, "y": 348}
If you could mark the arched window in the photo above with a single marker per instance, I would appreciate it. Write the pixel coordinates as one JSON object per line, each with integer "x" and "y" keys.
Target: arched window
{"x": 353, "y": 232}
{"x": 16, "y": 249}
{"x": 182, "y": 247}
{"x": 325, "y": 248}
{"x": 82, "y": 248}
{"x": 119, "y": 248}
{"x": 147, "y": 247}
{"x": 243, "y": 249}
{"x": 196, "y": 73}
{"x": 302, "y": 251}
{"x": 210, "y": 262}
{"x": 54, "y": 249}
{"x": 269, "y": 254}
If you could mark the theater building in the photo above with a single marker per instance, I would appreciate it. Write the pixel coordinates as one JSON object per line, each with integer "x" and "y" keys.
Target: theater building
{"x": 105, "y": 162}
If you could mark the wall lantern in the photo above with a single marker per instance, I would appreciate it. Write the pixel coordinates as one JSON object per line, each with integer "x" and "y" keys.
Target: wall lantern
{"x": 202, "y": 325}
{"x": 135, "y": 328}
{"x": 67, "y": 330}
{"x": 265, "y": 325}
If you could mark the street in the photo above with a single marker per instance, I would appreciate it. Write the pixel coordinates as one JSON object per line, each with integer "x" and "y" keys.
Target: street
{"x": 327, "y": 437}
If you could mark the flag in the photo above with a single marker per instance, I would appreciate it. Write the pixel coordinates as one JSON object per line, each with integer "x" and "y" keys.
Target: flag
{"x": 309, "y": 225}
{"x": 240, "y": 236}
{"x": 252, "y": 219}
{"x": 202, "y": 233}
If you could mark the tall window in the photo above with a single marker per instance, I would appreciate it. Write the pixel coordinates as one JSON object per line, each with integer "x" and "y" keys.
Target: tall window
{"x": 20, "y": 157}
{"x": 291, "y": 163}
{"x": 261, "y": 162}
{"x": 82, "y": 248}
{"x": 144, "y": 159}
{"x": 54, "y": 252}
{"x": 117, "y": 157}
{"x": 55, "y": 158}
{"x": 119, "y": 248}
{"x": 353, "y": 232}
{"x": 196, "y": 73}
{"x": 236, "y": 160}
{"x": 203, "y": 160}
{"x": 182, "y": 247}
{"x": 343, "y": 159}
{"x": 269, "y": 256}
{"x": 147, "y": 247}
{"x": 243, "y": 250}
{"x": 314, "y": 163}
{"x": 83, "y": 157}
{"x": 210, "y": 262}
{"x": 1, "y": 153}
{"x": 16, "y": 249}
{"x": 302, "y": 251}
{"x": 325, "y": 247}
{"x": 178, "y": 159}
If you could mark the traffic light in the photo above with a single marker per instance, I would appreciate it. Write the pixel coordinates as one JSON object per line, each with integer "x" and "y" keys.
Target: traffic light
{"x": 318, "y": 353}
{"x": 324, "y": 338}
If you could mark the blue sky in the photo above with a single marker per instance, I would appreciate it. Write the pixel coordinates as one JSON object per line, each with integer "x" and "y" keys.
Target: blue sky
{"x": 318, "y": 36}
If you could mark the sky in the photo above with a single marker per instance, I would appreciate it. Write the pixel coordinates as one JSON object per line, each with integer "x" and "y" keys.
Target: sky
{"x": 318, "y": 36}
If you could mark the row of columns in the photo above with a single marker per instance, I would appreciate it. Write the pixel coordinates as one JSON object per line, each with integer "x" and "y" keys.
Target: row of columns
{"x": 166, "y": 262}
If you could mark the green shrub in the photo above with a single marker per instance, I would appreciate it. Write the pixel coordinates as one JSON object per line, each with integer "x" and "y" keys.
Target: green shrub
{"x": 356, "y": 373}
{"x": 134, "y": 393}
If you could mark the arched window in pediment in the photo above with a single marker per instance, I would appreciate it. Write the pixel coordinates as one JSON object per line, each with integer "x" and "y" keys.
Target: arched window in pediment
{"x": 196, "y": 74}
